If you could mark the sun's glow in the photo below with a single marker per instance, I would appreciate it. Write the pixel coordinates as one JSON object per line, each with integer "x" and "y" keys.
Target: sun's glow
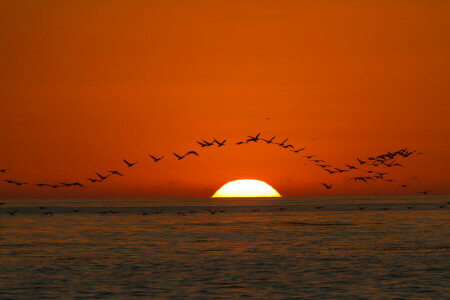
{"x": 246, "y": 188}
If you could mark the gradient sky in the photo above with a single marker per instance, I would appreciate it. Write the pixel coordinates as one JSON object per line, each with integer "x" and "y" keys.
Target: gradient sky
{"x": 85, "y": 84}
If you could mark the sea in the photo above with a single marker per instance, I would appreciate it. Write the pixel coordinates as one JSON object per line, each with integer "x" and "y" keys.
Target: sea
{"x": 203, "y": 248}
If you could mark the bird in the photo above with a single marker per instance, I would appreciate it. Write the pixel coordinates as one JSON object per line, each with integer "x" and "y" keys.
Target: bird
{"x": 66, "y": 184}
{"x": 385, "y": 208}
{"x": 200, "y": 143}
{"x": 4, "y": 170}
{"x": 115, "y": 173}
{"x": 298, "y": 150}
{"x": 329, "y": 171}
{"x": 239, "y": 143}
{"x": 78, "y": 184}
{"x": 93, "y": 180}
{"x": 43, "y": 207}
{"x": 253, "y": 138}
{"x": 268, "y": 141}
{"x": 327, "y": 186}
{"x": 191, "y": 152}
{"x": 309, "y": 156}
{"x": 41, "y": 184}
{"x": 319, "y": 207}
{"x": 220, "y": 144}
{"x": 350, "y": 167}
{"x": 403, "y": 185}
{"x": 46, "y": 213}
{"x": 282, "y": 208}
{"x": 212, "y": 211}
{"x": 156, "y": 159}
{"x": 282, "y": 143}
{"x": 12, "y": 213}
{"x": 102, "y": 177}
{"x": 424, "y": 192}
{"x": 287, "y": 146}
{"x": 361, "y": 208}
{"x": 129, "y": 164}
{"x": 181, "y": 213}
{"x": 361, "y": 162}
{"x": 20, "y": 183}
{"x": 9, "y": 181}
{"x": 76, "y": 210}
{"x": 442, "y": 206}
{"x": 255, "y": 210}
{"x": 409, "y": 207}
{"x": 208, "y": 143}
{"x": 179, "y": 157}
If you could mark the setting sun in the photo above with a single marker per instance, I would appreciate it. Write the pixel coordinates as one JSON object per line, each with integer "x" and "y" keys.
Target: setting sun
{"x": 246, "y": 188}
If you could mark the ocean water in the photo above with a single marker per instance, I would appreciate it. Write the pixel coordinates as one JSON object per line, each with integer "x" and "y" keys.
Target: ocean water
{"x": 286, "y": 248}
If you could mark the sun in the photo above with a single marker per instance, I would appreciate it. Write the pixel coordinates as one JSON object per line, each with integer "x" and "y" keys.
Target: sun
{"x": 246, "y": 188}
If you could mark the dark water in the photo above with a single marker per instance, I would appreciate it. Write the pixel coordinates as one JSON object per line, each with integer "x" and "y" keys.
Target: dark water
{"x": 247, "y": 249}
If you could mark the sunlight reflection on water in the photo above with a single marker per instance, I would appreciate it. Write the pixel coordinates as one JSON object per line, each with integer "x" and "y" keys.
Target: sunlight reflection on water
{"x": 250, "y": 250}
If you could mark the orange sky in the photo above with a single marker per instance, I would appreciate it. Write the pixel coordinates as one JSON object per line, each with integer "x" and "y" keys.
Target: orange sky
{"x": 84, "y": 85}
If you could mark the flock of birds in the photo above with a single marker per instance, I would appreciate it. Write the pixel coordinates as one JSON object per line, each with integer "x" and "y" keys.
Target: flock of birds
{"x": 364, "y": 168}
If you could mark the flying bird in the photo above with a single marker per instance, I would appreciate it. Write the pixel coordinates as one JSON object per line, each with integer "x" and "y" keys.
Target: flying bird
{"x": 253, "y": 138}
{"x": 350, "y": 167}
{"x": 12, "y": 213}
{"x": 212, "y": 211}
{"x": 404, "y": 185}
{"x": 298, "y": 150}
{"x": 93, "y": 180}
{"x": 268, "y": 141}
{"x": 102, "y": 177}
{"x": 4, "y": 170}
{"x": 129, "y": 164}
{"x": 179, "y": 157}
{"x": 192, "y": 152}
{"x": 115, "y": 173}
{"x": 220, "y": 144}
{"x": 361, "y": 162}
{"x": 78, "y": 184}
{"x": 424, "y": 192}
{"x": 156, "y": 159}
{"x": 327, "y": 186}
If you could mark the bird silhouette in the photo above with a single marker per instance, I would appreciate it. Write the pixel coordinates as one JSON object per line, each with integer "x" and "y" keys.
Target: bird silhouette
{"x": 253, "y": 138}
{"x": 239, "y": 143}
{"x": 78, "y": 184}
{"x": 12, "y": 213}
{"x": 268, "y": 141}
{"x": 179, "y": 157}
{"x": 298, "y": 150}
{"x": 102, "y": 177}
{"x": 212, "y": 211}
{"x": 424, "y": 192}
{"x": 208, "y": 144}
{"x": 156, "y": 159}
{"x": 319, "y": 207}
{"x": 200, "y": 143}
{"x": 361, "y": 162}
{"x": 403, "y": 185}
{"x": 93, "y": 180}
{"x": 282, "y": 143}
{"x": 4, "y": 170}
{"x": 129, "y": 165}
{"x": 327, "y": 186}
{"x": 191, "y": 152}
{"x": 220, "y": 144}
{"x": 46, "y": 213}
{"x": 115, "y": 173}
{"x": 350, "y": 167}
